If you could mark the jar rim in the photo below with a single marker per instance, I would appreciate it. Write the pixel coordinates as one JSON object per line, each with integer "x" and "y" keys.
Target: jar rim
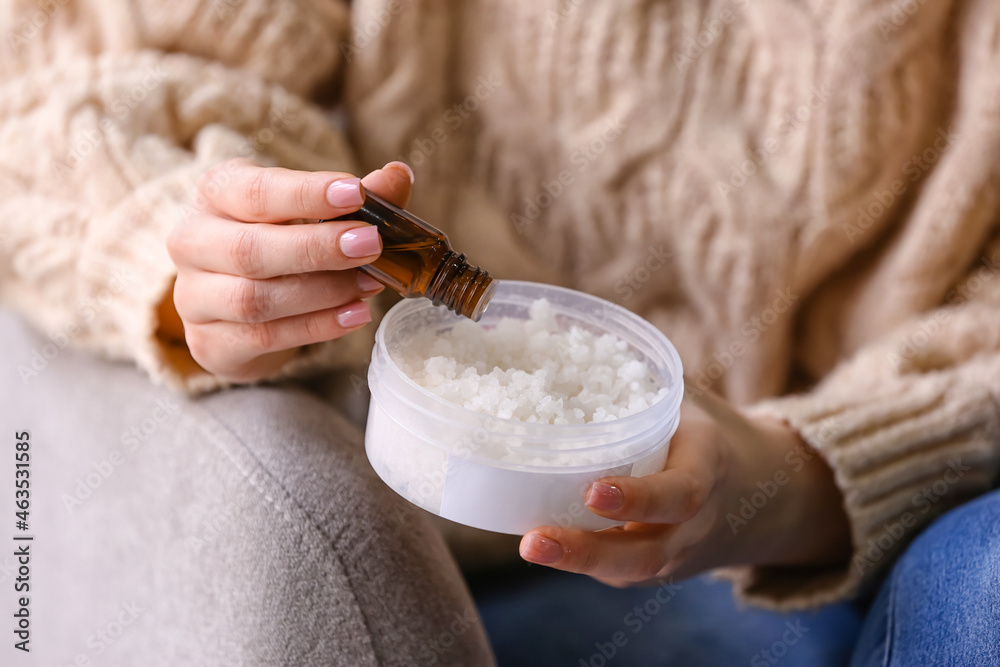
{"x": 518, "y": 293}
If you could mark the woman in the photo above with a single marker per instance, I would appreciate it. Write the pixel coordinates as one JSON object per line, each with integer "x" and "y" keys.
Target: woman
{"x": 803, "y": 198}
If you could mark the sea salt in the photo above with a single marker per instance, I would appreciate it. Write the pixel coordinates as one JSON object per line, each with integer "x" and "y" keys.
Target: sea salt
{"x": 505, "y": 466}
{"x": 532, "y": 370}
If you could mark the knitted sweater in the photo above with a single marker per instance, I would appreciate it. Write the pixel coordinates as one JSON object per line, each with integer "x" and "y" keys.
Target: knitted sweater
{"x": 802, "y": 196}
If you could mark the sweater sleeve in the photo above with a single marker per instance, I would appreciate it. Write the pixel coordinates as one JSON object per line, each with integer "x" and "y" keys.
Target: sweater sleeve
{"x": 910, "y": 426}
{"x": 909, "y": 420}
{"x": 101, "y": 143}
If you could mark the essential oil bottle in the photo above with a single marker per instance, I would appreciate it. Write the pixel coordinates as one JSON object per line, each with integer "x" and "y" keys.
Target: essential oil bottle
{"x": 417, "y": 260}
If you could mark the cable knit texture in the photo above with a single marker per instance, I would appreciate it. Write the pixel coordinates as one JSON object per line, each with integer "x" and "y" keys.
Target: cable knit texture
{"x": 103, "y": 135}
{"x": 803, "y": 196}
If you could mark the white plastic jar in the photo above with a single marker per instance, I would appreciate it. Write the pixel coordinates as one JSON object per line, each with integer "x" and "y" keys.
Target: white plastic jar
{"x": 504, "y": 475}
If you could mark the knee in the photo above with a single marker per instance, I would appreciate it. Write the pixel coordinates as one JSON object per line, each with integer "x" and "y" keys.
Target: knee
{"x": 947, "y": 579}
{"x": 963, "y": 544}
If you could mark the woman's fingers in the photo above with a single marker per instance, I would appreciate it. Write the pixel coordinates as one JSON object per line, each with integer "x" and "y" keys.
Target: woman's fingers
{"x": 249, "y": 291}
{"x": 667, "y": 513}
{"x": 627, "y": 555}
{"x": 241, "y": 190}
{"x": 392, "y": 183}
{"x": 669, "y": 497}
{"x": 236, "y": 235}
{"x": 261, "y": 250}
{"x": 673, "y": 496}
{"x": 209, "y": 297}
{"x": 226, "y": 346}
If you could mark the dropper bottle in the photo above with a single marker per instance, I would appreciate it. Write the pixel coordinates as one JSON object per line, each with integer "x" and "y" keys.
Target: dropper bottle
{"x": 417, "y": 260}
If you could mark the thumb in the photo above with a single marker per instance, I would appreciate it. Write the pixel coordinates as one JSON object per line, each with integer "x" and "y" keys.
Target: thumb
{"x": 668, "y": 497}
{"x": 672, "y": 496}
{"x": 392, "y": 182}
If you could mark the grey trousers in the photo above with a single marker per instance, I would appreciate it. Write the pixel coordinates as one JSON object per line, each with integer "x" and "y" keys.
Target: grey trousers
{"x": 244, "y": 528}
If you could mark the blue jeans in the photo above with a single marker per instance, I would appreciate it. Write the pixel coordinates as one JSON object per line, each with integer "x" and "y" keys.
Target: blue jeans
{"x": 939, "y": 606}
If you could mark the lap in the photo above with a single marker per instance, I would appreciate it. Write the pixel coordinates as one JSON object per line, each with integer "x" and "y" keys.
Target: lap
{"x": 940, "y": 604}
{"x": 554, "y": 619}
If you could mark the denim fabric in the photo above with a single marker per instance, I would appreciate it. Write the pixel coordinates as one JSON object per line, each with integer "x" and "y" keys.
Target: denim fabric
{"x": 941, "y": 603}
{"x": 938, "y": 607}
{"x": 553, "y": 619}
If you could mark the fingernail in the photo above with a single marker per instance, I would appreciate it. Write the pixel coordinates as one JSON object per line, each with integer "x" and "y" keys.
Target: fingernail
{"x": 368, "y": 284}
{"x": 405, "y": 167}
{"x": 354, "y": 315}
{"x": 345, "y": 193}
{"x": 361, "y": 242}
{"x": 542, "y": 550}
{"x": 605, "y": 497}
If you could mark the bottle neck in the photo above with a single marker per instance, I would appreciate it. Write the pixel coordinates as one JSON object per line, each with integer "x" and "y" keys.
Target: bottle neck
{"x": 462, "y": 288}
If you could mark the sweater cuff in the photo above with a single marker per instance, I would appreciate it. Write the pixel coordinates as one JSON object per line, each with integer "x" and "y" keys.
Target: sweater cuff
{"x": 902, "y": 456}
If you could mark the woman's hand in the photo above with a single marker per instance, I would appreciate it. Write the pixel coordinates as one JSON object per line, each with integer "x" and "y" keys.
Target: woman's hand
{"x": 251, "y": 290}
{"x": 734, "y": 492}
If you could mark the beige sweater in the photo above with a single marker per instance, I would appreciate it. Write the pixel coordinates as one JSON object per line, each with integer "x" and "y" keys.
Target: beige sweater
{"x": 803, "y": 196}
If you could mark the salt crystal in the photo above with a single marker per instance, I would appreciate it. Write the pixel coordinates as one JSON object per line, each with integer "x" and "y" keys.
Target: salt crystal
{"x": 532, "y": 370}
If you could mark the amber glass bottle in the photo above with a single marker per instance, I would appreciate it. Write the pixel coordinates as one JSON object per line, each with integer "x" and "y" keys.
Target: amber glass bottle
{"x": 417, "y": 260}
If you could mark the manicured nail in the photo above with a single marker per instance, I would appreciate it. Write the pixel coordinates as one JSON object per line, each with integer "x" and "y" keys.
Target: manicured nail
{"x": 605, "y": 497}
{"x": 542, "y": 550}
{"x": 361, "y": 242}
{"x": 368, "y": 284}
{"x": 354, "y": 315}
{"x": 405, "y": 167}
{"x": 345, "y": 193}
